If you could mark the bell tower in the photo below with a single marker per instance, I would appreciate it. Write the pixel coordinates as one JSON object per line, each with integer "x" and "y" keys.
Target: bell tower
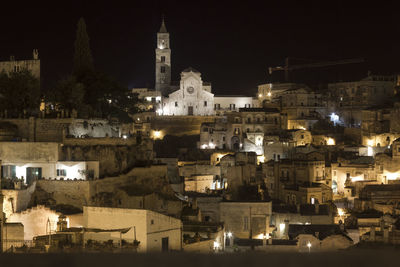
{"x": 163, "y": 61}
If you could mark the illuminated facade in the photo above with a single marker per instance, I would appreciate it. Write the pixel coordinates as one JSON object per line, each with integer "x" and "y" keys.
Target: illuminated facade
{"x": 30, "y": 161}
{"x": 242, "y": 131}
{"x": 192, "y": 98}
{"x": 32, "y": 65}
{"x": 163, "y": 61}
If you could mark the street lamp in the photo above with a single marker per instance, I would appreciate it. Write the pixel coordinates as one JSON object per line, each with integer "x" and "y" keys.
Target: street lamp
{"x": 309, "y": 246}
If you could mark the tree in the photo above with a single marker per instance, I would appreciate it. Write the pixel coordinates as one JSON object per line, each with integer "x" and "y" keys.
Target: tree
{"x": 19, "y": 93}
{"x": 83, "y": 61}
{"x": 70, "y": 93}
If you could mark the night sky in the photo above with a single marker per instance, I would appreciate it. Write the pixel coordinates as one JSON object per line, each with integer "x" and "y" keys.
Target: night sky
{"x": 232, "y": 45}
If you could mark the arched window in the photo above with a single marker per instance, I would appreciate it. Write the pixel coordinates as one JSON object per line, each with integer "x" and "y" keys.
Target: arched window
{"x": 334, "y": 187}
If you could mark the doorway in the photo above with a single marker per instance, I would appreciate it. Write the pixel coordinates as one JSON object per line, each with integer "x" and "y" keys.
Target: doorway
{"x": 164, "y": 244}
{"x": 190, "y": 110}
{"x": 33, "y": 174}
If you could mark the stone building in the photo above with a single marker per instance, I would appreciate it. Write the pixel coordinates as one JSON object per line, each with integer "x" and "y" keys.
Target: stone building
{"x": 192, "y": 97}
{"x": 155, "y": 232}
{"x": 351, "y": 97}
{"x": 227, "y": 104}
{"x": 373, "y": 196}
{"x": 388, "y": 165}
{"x": 345, "y": 172}
{"x": 36, "y": 160}
{"x": 246, "y": 219}
{"x": 284, "y": 215}
{"x": 242, "y": 131}
{"x": 32, "y": 65}
{"x": 303, "y": 108}
{"x": 299, "y": 180}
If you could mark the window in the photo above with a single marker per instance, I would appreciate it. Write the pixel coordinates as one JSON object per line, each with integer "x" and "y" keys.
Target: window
{"x": 205, "y": 103}
{"x": 162, "y": 58}
{"x": 258, "y": 120}
{"x": 217, "y": 106}
{"x": 334, "y": 173}
{"x": 205, "y": 129}
{"x": 176, "y": 104}
{"x": 8, "y": 171}
{"x": 247, "y": 105}
{"x": 223, "y": 138}
{"x": 232, "y": 106}
{"x": 162, "y": 69}
{"x": 245, "y": 223}
{"x": 248, "y": 120}
{"x": 248, "y": 130}
{"x": 61, "y": 172}
{"x": 152, "y": 221}
{"x": 302, "y": 136}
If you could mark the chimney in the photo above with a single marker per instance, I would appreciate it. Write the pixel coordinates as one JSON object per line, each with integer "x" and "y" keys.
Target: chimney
{"x": 35, "y": 54}
{"x": 286, "y": 234}
{"x": 372, "y": 233}
{"x": 194, "y": 203}
{"x": 12, "y": 58}
{"x": 316, "y": 208}
{"x": 1, "y": 219}
{"x": 382, "y": 224}
{"x": 386, "y": 235}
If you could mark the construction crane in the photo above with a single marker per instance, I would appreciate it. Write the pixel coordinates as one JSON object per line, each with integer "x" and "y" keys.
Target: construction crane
{"x": 288, "y": 67}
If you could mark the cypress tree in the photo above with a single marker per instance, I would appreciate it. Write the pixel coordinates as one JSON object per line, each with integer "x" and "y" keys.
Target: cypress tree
{"x": 83, "y": 61}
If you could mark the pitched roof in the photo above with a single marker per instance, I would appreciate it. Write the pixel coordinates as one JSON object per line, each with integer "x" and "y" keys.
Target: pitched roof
{"x": 163, "y": 29}
{"x": 320, "y": 231}
{"x": 190, "y": 69}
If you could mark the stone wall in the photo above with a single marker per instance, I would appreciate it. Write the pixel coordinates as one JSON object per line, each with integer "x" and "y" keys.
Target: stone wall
{"x": 126, "y": 191}
{"x": 56, "y": 192}
{"x": 22, "y": 152}
{"x": 35, "y": 221}
{"x": 13, "y": 235}
{"x": 55, "y": 129}
{"x": 115, "y": 155}
{"x": 180, "y": 125}
{"x": 93, "y": 128}
{"x": 206, "y": 246}
{"x": 41, "y": 130}
{"x": 17, "y": 200}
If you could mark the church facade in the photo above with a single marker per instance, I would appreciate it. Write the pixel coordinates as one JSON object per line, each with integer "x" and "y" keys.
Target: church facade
{"x": 192, "y": 98}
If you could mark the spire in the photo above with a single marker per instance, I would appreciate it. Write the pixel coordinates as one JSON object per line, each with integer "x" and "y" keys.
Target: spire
{"x": 163, "y": 29}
